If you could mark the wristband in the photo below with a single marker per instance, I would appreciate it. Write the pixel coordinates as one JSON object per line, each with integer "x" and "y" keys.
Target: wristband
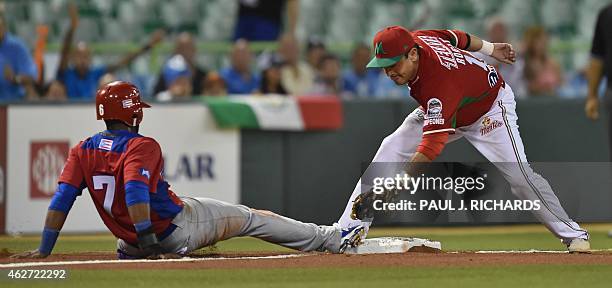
{"x": 487, "y": 48}
{"x": 49, "y": 236}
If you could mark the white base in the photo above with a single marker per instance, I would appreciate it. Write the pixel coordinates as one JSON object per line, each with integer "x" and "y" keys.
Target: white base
{"x": 385, "y": 245}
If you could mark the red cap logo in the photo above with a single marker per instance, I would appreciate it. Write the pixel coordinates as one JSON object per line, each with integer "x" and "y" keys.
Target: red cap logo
{"x": 390, "y": 45}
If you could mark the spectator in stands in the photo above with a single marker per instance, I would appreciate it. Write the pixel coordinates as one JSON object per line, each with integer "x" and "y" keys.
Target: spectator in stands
{"x": 297, "y": 76}
{"x": 271, "y": 80}
{"x": 17, "y": 66}
{"x": 262, "y": 20}
{"x": 81, "y": 78}
{"x": 542, "y": 73}
{"x": 214, "y": 85}
{"x": 599, "y": 66}
{"x": 359, "y": 81}
{"x": 497, "y": 32}
{"x": 105, "y": 79}
{"x": 239, "y": 78}
{"x": 185, "y": 46}
{"x": 329, "y": 77}
{"x": 178, "y": 80}
{"x": 315, "y": 49}
{"x": 55, "y": 91}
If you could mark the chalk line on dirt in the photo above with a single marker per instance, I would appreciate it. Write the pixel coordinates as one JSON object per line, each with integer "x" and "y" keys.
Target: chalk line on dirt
{"x": 185, "y": 259}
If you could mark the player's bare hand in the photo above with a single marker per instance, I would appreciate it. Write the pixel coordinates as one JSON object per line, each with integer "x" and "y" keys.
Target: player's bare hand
{"x": 591, "y": 108}
{"x": 504, "y": 52}
{"x": 165, "y": 256}
{"x": 34, "y": 254}
{"x": 73, "y": 11}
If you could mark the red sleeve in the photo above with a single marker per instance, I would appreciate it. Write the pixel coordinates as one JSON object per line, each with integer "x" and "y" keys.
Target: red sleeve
{"x": 143, "y": 162}
{"x": 72, "y": 173}
{"x": 457, "y": 38}
{"x": 433, "y": 144}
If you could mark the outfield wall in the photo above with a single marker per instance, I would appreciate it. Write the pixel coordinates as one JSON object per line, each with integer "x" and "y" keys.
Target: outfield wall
{"x": 305, "y": 175}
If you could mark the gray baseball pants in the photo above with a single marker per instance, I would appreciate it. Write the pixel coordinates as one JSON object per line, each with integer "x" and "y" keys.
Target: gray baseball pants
{"x": 204, "y": 222}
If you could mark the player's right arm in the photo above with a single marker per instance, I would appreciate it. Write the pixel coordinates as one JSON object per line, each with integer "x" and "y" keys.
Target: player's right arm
{"x": 70, "y": 185}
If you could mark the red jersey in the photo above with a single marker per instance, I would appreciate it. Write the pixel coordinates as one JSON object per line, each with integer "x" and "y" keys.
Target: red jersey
{"x": 454, "y": 88}
{"x": 105, "y": 162}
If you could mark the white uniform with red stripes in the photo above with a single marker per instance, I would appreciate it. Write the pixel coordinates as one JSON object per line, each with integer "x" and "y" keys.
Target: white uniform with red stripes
{"x": 465, "y": 97}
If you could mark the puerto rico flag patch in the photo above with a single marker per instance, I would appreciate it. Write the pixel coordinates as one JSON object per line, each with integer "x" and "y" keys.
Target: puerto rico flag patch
{"x": 127, "y": 103}
{"x": 106, "y": 144}
{"x": 145, "y": 173}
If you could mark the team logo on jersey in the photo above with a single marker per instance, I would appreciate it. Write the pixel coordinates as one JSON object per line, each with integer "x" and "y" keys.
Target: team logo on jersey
{"x": 492, "y": 76}
{"x": 106, "y": 144}
{"x": 47, "y": 159}
{"x": 489, "y": 125}
{"x": 145, "y": 173}
{"x": 433, "y": 116}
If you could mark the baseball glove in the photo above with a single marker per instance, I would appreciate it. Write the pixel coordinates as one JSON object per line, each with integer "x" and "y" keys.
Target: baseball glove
{"x": 363, "y": 208}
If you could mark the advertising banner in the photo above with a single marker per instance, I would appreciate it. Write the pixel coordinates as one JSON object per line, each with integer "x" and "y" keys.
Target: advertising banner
{"x": 200, "y": 160}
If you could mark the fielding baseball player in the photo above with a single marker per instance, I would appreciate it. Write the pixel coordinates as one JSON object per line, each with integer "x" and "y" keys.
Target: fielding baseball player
{"x": 123, "y": 172}
{"x": 460, "y": 96}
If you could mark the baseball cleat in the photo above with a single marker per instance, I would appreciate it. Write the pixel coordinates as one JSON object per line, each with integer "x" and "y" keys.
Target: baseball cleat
{"x": 579, "y": 245}
{"x": 121, "y": 255}
{"x": 351, "y": 237}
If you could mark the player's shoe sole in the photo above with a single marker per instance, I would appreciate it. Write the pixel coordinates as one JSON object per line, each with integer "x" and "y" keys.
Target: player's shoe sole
{"x": 351, "y": 237}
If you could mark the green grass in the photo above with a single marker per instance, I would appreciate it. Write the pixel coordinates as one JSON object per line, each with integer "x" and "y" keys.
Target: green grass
{"x": 519, "y": 237}
{"x": 473, "y": 277}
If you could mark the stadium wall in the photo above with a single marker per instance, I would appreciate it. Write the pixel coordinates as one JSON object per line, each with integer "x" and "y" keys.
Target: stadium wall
{"x": 200, "y": 160}
{"x": 315, "y": 172}
{"x": 305, "y": 175}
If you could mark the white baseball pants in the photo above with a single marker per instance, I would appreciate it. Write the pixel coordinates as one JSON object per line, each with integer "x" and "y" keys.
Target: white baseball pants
{"x": 502, "y": 146}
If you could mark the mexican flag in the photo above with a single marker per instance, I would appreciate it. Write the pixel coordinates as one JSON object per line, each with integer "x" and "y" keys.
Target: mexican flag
{"x": 273, "y": 112}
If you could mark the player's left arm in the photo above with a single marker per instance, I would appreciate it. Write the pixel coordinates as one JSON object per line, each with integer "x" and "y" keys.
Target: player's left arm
{"x": 141, "y": 162}
{"x": 503, "y": 52}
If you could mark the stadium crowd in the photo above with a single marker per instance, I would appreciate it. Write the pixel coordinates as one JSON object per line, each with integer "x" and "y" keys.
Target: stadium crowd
{"x": 286, "y": 71}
